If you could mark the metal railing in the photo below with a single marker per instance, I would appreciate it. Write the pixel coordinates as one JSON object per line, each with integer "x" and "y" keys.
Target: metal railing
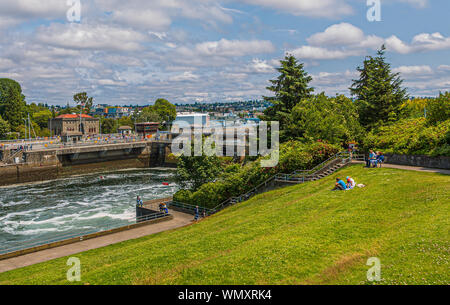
{"x": 17, "y": 246}
{"x": 344, "y": 156}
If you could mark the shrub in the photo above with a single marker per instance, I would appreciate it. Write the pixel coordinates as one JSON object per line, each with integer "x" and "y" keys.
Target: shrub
{"x": 411, "y": 137}
{"x": 237, "y": 179}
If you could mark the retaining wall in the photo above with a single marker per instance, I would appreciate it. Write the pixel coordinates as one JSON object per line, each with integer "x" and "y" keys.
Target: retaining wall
{"x": 441, "y": 162}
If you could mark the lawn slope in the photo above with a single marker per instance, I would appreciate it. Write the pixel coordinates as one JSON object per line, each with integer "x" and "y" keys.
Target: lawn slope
{"x": 304, "y": 234}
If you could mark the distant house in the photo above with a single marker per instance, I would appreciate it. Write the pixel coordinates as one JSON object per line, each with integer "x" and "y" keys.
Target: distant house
{"x": 146, "y": 129}
{"x": 70, "y": 127}
{"x": 125, "y": 130}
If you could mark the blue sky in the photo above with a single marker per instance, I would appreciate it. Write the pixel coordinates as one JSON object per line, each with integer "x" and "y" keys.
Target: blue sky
{"x": 133, "y": 52}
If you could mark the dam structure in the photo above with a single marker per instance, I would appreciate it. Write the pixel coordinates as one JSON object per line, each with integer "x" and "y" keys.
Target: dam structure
{"x": 43, "y": 160}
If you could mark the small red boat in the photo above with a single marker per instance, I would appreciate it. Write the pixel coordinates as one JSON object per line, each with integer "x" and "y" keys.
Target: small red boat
{"x": 166, "y": 183}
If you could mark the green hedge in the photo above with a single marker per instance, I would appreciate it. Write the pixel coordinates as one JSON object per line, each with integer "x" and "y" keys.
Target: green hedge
{"x": 411, "y": 137}
{"x": 238, "y": 180}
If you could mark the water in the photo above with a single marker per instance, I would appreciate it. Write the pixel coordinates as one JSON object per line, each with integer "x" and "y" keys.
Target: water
{"x": 76, "y": 205}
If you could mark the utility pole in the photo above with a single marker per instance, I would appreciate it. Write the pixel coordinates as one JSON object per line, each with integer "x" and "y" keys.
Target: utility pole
{"x": 25, "y": 125}
{"x": 29, "y": 127}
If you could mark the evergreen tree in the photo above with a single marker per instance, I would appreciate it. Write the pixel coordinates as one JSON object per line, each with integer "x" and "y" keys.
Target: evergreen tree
{"x": 291, "y": 86}
{"x": 378, "y": 91}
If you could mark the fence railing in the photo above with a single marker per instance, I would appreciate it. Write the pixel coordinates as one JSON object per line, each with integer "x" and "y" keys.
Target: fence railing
{"x": 344, "y": 156}
{"x": 17, "y": 246}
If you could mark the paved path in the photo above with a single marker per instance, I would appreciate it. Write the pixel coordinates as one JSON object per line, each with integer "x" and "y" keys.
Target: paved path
{"x": 180, "y": 220}
{"x": 413, "y": 168}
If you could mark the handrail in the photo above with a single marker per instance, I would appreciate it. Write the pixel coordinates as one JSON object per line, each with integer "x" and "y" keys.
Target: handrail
{"x": 64, "y": 236}
{"x": 13, "y": 155}
{"x": 247, "y": 195}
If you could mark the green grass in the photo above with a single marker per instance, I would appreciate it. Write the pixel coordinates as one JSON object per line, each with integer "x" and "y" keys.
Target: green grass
{"x": 303, "y": 234}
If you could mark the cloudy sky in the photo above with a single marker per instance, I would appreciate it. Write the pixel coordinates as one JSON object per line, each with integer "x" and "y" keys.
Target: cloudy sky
{"x": 132, "y": 52}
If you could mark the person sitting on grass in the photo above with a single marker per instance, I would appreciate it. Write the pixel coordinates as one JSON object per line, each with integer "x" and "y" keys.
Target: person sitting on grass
{"x": 340, "y": 185}
{"x": 350, "y": 183}
{"x": 380, "y": 158}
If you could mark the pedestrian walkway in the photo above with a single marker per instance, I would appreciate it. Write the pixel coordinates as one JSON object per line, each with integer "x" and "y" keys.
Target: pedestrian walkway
{"x": 413, "y": 168}
{"x": 179, "y": 220}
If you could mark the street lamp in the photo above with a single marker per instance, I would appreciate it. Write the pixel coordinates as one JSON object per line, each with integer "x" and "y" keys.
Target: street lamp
{"x": 25, "y": 125}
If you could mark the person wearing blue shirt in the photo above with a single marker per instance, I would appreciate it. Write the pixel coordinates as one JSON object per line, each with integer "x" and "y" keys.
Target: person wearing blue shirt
{"x": 340, "y": 185}
{"x": 372, "y": 158}
{"x": 380, "y": 158}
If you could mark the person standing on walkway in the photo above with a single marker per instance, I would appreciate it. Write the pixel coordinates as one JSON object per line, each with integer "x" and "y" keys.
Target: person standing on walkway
{"x": 139, "y": 201}
{"x": 196, "y": 213}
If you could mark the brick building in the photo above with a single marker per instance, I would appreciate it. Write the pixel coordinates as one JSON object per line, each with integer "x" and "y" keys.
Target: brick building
{"x": 70, "y": 127}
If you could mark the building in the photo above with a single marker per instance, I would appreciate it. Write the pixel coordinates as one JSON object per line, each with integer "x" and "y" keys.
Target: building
{"x": 146, "y": 129}
{"x": 125, "y": 130}
{"x": 71, "y": 128}
{"x": 193, "y": 119}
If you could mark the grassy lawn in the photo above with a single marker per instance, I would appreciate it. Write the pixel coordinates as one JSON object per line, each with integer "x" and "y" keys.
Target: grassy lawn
{"x": 303, "y": 234}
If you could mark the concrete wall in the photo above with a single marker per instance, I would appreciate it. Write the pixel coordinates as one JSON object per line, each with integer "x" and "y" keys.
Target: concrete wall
{"x": 422, "y": 161}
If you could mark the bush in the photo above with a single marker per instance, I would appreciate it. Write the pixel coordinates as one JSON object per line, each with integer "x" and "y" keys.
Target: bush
{"x": 438, "y": 110}
{"x": 411, "y": 137}
{"x": 237, "y": 179}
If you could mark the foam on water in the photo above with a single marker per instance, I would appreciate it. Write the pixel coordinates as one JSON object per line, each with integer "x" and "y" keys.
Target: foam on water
{"x": 72, "y": 205}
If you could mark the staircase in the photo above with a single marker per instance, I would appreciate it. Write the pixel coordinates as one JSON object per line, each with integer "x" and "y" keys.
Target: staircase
{"x": 321, "y": 171}
{"x": 326, "y": 169}
{"x": 10, "y": 158}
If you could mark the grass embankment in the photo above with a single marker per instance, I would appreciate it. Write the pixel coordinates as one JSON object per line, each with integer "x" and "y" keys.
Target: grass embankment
{"x": 303, "y": 234}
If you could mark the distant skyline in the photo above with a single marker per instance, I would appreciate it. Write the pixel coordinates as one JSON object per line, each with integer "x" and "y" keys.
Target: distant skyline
{"x": 133, "y": 52}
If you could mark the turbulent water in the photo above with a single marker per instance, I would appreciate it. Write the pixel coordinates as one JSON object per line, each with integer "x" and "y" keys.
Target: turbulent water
{"x": 84, "y": 204}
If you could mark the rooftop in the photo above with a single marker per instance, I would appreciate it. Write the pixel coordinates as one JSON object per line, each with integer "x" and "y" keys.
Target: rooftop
{"x": 73, "y": 116}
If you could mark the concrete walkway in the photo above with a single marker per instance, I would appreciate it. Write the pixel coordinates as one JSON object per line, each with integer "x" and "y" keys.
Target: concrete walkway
{"x": 412, "y": 168}
{"x": 179, "y": 220}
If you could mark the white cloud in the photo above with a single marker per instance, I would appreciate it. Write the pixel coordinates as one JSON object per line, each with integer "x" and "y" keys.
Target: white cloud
{"x": 185, "y": 77}
{"x": 413, "y": 71}
{"x": 229, "y": 48}
{"x": 337, "y": 34}
{"x": 87, "y": 36}
{"x": 417, "y": 3}
{"x": 343, "y": 40}
{"x": 34, "y": 8}
{"x": 317, "y": 53}
{"x": 444, "y": 68}
{"x": 313, "y": 8}
{"x": 420, "y": 43}
{"x": 260, "y": 66}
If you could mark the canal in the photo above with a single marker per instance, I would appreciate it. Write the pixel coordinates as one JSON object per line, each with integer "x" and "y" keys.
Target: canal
{"x": 77, "y": 205}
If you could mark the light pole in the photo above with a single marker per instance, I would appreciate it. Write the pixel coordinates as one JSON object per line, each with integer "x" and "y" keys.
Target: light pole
{"x": 25, "y": 125}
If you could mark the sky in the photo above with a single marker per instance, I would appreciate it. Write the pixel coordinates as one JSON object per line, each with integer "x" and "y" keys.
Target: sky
{"x": 133, "y": 52}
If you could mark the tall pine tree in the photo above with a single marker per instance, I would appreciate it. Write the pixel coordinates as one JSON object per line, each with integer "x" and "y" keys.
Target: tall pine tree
{"x": 291, "y": 86}
{"x": 378, "y": 91}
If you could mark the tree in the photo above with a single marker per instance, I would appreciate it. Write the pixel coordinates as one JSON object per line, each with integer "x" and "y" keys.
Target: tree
{"x": 438, "y": 110}
{"x": 83, "y": 100}
{"x": 148, "y": 115}
{"x": 108, "y": 125}
{"x": 333, "y": 120}
{"x": 42, "y": 117}
{"x": 378, "y": 91}
{"x": 165, "y": 110}
{"x": 4, "y": 128}
{"x": 291, "y": 86}
{"x": 193, "y": 172}
{"x": 12, "y": 102}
